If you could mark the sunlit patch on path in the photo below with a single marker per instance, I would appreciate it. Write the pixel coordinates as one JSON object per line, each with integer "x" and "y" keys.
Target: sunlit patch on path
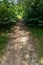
{"x": 20, "y": 49}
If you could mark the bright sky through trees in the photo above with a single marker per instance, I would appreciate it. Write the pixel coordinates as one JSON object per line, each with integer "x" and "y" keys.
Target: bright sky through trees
{"x": 16, "y": 1}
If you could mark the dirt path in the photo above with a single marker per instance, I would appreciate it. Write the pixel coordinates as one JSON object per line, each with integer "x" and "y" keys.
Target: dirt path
{"x": 20, "y": 49}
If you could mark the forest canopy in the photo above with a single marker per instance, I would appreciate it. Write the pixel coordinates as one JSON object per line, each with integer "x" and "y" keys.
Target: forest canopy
{"x": 33, "y": 11}
{"x": 30, "y": 10}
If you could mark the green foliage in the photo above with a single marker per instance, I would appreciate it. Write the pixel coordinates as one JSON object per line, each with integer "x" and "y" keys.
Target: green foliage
{"x": 3, "y": 40}
{"x": 7, "y": 12}
{"x": 33, "y": 12}
{"x": 38, "y": 37}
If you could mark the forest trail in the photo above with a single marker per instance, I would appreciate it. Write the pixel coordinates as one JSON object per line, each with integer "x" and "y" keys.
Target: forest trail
{"x": 20, "y": 49}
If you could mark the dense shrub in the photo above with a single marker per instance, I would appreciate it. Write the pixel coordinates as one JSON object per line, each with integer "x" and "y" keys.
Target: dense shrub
{"x": 7, "y": 13}
{"x": 34, "y": 13}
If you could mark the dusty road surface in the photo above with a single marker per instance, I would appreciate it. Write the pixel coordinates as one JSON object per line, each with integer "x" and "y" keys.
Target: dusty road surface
{"x": 20, "y": 49}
